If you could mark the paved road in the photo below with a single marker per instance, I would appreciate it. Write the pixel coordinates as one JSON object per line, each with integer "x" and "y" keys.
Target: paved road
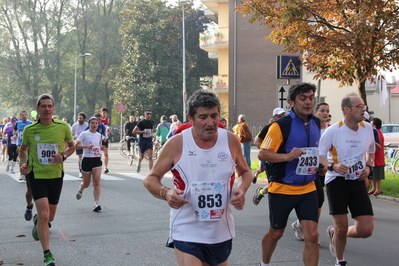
{"x": 133, "y": 227}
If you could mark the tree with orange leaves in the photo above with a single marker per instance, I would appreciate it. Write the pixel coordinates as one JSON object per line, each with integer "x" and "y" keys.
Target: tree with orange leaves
{"x": 345, "y": 40}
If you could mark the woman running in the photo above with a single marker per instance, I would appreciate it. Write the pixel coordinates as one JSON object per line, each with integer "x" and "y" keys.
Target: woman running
{"x": 91, "y": 164}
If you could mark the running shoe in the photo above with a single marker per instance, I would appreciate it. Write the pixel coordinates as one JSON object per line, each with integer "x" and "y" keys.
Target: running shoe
{"x": 8, "y": 167}
{"x": 22, "y": 177}
{"x": 79, "y": 194}
{"x": 97, "y": 208}
{"x": 297, "y": 230}
{"x": 258, "y": 196}
{"x": 255, "y": 178}
{"x": 34, "y": 230}
{"x": 138, "y": 168}
{"x": 12, "y": 171}
{"x": 48, "y": 259}
{"x": 341, "y": 263}
{"x": 330, "y": 233}
{"x": 28, "y": 214}
{"x": 80, "y": 175}
{"x": 106, "y": 170}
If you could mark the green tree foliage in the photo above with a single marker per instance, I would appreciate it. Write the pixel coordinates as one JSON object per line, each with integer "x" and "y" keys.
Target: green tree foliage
{"x": 35, "y": 46}
{"x": 97, "y": 24}
{"x": 348, "y": 41}
{"x": 151, "y": 73}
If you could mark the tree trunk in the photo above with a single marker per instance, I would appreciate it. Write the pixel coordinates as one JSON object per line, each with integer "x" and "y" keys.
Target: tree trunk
{"x": 362, "y": 92}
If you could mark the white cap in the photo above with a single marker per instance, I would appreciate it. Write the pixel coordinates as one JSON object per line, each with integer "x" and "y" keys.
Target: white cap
{"x": 366, "y": 115}
{"x": 278, "y": 111}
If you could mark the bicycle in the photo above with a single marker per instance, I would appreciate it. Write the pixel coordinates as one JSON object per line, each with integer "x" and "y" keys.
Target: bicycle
{"x": 122, "y": 147}
{"x": 134, "y": 152}
{"x": 157, "y": 148}
{"x": 391, "y": 159}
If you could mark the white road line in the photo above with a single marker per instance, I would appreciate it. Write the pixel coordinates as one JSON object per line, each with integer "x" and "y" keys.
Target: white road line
{"x": 68, "y": 177}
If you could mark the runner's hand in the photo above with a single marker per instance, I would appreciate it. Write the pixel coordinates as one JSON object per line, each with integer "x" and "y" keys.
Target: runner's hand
{"x": 174, "y": 199}
{"x": 23, "y": 169}
{"x": 238, "y": 199}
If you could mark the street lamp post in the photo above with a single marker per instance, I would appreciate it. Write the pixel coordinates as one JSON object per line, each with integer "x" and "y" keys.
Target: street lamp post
{"x": 74, "y": 96}
{"x": 184, "y": 63}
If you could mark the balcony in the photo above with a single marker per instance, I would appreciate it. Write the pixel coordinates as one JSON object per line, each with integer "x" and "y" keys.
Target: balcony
{"x": 212, "y": 41}
{"x": 216, "y": 83}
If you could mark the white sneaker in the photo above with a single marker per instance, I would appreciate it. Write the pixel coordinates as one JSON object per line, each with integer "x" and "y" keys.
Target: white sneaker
{"x": 3, "y": 158}
{"x": 22, "y": 177}
{"x": 8, "y": 167}
{"x": 97, "y": 208}
{"x": 330, "y": 233}
{"x": 12, "y": 171}
{"x": 297, "y": 230}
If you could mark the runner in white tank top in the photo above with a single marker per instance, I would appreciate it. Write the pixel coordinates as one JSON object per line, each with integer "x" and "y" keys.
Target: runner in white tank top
{"x": 202, "y": 160}
{"x": 206, "y": 176}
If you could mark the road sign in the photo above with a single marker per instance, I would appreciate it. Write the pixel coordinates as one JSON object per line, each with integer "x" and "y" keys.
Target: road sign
{"x": 121, "y": 108}
{"x": 282, "y": 93}
{"x": 288, "y": 67}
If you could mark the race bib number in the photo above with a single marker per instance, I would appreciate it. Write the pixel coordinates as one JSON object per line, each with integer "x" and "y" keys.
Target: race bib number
{"x": 147, "y": 133}
{"x": 308, "y": 163}
{"x": 209, "y": 200}
{"x": 356, "y": 164}
{"x": 96, "y": 151}
{"x": 45, "y": 153}
{"x": 14, "y": 139}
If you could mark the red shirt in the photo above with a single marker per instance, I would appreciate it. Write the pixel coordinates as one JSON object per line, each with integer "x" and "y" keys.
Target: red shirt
{"x": 104, "y": 121}
{"x": 379, "y": 159}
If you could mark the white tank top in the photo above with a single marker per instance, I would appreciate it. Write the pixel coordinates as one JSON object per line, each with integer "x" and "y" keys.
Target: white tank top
{"x": 207, "y": 177}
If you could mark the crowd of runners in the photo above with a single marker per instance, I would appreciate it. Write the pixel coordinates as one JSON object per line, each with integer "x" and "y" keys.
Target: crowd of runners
{"x": 299, "y": 150}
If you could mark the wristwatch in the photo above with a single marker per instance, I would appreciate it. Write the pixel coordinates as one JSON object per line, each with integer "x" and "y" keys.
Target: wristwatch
{"x": 64, "y": 157}
{"x": 331, "y": 167}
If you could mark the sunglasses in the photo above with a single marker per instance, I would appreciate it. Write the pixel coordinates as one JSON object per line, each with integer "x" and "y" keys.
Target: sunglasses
{"x": 148, "y": 113}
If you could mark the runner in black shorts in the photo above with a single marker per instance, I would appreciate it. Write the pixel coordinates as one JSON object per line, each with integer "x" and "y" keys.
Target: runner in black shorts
{"x": 352, "y": 146}
{"x": 45, "y": 169}
{"x": 290, "y": 144}
{"x": 90, "y": 142}
{"x": 145, "y": 128}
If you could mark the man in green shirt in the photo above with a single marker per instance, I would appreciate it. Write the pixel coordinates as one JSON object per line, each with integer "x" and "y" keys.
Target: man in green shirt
{"x": 44, "y": 167}
{"x": 163, "y": 130}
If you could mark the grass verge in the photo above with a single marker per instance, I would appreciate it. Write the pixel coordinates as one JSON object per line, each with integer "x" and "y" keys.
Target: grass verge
{"x": 389, "y": 186}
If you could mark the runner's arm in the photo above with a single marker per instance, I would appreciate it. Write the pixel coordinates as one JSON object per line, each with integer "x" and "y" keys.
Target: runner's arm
{"x": 168, "y": 157}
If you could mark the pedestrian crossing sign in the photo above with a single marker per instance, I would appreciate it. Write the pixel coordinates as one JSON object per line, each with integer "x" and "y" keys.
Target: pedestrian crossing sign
{"x": 288, "y": 67}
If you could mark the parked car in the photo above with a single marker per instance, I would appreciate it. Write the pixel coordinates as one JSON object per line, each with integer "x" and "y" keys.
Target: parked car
{"x": 114, "y": 133}
{"x": 391, "y": 134}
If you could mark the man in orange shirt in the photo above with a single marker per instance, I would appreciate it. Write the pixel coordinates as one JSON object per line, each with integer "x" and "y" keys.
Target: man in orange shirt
{"x": 291, "y": 146}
